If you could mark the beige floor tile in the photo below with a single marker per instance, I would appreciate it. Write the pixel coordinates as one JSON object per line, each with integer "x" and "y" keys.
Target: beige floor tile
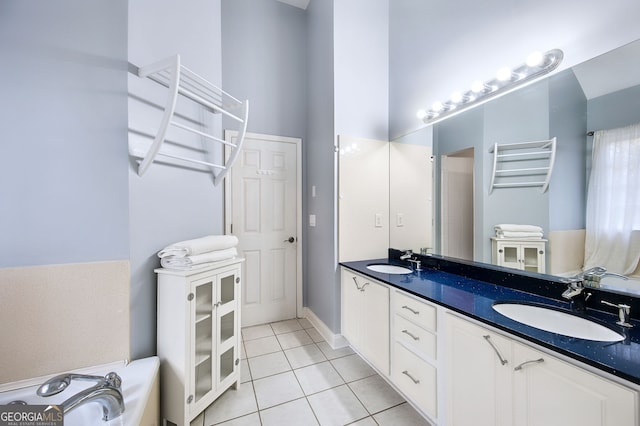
{"x": 256, "y": 332}
{"x": 252, "y": 419}
{"x": 231, "y": 404}
{"x": 401, "y": 415}
{"x": 294, "y": 339}
{"x": 352, "y": 367}
{"x": 278, "y": 389}
{"x": 315, "y": 336}
{"x": 304, "y": 355}
{"x": 294, "y": 413}
{"x": 375, "y": 394}
{"x": 337, "y": 406}
{"x": 245, "y": 371}
{"x": 331, "y": 353}
{"x": 261, "y": 346}
{"x": 305, "y": 323}
{"x": 286, "y": 326}
{"x": 318, "y": 377}
{"x": 268, "y": 365}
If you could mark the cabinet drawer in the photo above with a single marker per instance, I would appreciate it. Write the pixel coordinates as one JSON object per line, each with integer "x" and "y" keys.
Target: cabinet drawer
{"x": 407, "y": 332}
{"x": 420, "y": 313}
{"x": 416, "y": 378}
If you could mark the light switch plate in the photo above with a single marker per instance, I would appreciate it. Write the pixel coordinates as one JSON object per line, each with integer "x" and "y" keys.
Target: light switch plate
{"x": 378, "y": 220}
{"x": 312, "y": 220}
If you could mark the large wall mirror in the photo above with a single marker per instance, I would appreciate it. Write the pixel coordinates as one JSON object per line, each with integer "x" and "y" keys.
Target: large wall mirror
{"x": 602, "y": 93}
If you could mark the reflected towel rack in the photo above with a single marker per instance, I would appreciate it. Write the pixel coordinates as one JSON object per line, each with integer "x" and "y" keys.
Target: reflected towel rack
{"x": 182, "y": 81}
{"x": 522, "y": 164}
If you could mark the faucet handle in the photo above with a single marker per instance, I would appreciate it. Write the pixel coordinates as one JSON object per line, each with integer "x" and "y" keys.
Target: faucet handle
{"x": 624, "y": 312}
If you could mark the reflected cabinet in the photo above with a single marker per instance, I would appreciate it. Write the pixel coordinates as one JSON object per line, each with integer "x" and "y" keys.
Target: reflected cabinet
{"x": 198, "y": 338}
{"x": 526, "y": 255}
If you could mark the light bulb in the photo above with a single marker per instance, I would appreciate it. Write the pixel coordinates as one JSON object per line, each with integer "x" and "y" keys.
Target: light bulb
{"x": 421, "y": 114}
{"x": 504, "y": 74}
{"x": 437, "y": 106}
{"x": 477, "y": 86}
{"x": 534, "y": 59}
{"x": 456, "y": 97}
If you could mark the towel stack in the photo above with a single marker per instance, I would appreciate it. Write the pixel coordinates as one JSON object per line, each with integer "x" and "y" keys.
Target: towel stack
{"x": 513, "y": 231}
{"x": 198, "y": 253}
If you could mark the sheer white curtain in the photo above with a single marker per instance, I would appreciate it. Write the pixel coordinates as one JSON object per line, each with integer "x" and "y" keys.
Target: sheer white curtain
{"x": 613, "y": 201}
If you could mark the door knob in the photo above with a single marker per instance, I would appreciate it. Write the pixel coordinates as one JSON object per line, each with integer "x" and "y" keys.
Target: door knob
{"x": 290, "y": 240}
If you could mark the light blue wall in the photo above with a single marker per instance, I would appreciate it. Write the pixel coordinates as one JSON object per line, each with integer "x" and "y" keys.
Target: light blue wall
{"x": 322, "y": 293}
{"x": 264, "y": 60}
{"x": 63, "y": 124}
{"x": 168, "y": 204}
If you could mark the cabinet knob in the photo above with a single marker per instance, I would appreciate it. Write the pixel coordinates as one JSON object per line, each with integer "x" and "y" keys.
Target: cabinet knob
{"x": 500, "y": 251}
{"x": 190, "y": 297}
{"x": 190, "y": 399}
{"x": 541, "y": 252}
{"x": 237, "y": 279}
{"x": 237, "y": 361}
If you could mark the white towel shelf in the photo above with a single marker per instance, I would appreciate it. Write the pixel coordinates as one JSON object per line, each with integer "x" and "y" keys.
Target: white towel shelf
{"x": 182, "y": 81}
{"x": 523, "y": 164}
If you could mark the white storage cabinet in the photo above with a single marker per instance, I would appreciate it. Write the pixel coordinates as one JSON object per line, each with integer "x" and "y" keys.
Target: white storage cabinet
{"x": 526, "y": 255}
{"x": 494, "y": 380}
{"x": 365, "y": 318}
{"x": 198, "y": 338}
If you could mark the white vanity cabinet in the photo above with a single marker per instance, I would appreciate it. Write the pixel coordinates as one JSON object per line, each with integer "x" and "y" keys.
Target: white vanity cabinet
{"x": 198, "y": 337}
{"x": 365, "y": 317}
{"x": 414, "y": 358}
{"x": 494, "y": 380}
{"x": 526, "y": 255}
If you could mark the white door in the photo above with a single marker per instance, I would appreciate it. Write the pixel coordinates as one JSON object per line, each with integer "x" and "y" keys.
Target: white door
{"x": 457, "y": 205}
{"x": 263, "y": 211}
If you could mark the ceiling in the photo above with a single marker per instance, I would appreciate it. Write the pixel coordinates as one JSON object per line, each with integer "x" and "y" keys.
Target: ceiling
{"x": 302, "y": 4}
{"x": 621, "y": 64}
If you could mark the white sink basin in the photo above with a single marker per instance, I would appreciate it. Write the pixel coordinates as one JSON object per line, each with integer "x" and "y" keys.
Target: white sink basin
{"x": 386, "y": 268}
{"x": 559, "y": 322}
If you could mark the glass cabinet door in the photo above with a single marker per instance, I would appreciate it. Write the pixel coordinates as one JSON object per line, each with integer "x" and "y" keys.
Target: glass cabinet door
{"x": 228, "y": 326}
{"x": 202, "y": 341}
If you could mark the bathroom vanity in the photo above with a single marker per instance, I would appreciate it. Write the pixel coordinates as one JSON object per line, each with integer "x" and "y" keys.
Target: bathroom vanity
{"x": 441, "y": 343}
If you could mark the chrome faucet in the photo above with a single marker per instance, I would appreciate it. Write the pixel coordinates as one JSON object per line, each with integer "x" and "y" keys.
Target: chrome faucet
{"x": 407, "y": 255}
{"x": 593, "y": 276}
{"x": 107, "y": 392}
{"x": 575, "y": 286}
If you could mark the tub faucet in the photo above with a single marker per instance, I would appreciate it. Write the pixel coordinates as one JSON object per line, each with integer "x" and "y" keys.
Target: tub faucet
{"x": 593, "y": 276}
{"x": 107, "y": 392}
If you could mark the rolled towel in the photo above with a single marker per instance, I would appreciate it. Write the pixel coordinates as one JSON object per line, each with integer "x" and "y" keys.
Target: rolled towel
{"x": 199, "y": 246}
{"x": 517, "y": 228}
{"x": 198, "y": 260}
{"x": 516, "y": 234}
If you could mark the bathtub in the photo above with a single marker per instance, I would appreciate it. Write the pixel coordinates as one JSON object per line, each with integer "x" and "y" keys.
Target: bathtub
{"x": 139, "y": 389}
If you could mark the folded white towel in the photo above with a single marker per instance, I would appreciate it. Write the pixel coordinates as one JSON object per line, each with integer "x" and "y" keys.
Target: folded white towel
{"x": 199, "y": 246}
{"x": 517, "y": 228}
{"x": 198, "y": 260}
{"x": 516, "y": 234}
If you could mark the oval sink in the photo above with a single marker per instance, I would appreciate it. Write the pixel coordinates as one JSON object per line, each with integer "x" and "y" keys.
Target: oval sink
{"x": 556, "y": 321}
{"x": 387, "y": 268}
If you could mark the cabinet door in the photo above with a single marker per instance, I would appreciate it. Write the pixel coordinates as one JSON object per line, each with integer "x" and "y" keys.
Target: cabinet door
{"x": 533, "y": 257}
{"x": 551, "y": 392}
{"x": 509, "y": 255}
{"x": 351, "y": 307}
{"x": 201, "y": 373}
{"x": 375, "y": 325}
{"x": 478, "y": 386}
{"x": 227, "y": 351}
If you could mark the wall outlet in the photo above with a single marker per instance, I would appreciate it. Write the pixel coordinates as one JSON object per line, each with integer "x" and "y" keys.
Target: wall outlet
{"x": 378, "y": 220}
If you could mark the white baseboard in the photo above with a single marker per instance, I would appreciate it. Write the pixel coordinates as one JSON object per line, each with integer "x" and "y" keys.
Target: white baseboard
{"x": 336, "y": 341}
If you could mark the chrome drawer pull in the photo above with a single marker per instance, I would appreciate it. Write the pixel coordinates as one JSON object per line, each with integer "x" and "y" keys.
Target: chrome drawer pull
{"x": 487, "y": 338}
{"x": 406, "y": 373}
{"x": 535, "y": 361}
{"x": 411, "y": 335}
{"x": 409, "y": 309}
{"x": 355, "y": 280}
{"x": 363, "y": 286}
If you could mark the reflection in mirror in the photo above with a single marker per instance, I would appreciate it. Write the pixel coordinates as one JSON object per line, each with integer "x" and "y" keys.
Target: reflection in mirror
{"x": 602, "y": 93}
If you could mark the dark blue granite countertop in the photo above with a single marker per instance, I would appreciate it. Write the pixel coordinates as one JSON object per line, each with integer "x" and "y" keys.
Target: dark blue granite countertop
{"x": 474, "y": 298}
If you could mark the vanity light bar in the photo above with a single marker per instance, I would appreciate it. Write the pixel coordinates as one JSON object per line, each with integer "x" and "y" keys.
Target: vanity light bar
{"x": 506, "y": 80}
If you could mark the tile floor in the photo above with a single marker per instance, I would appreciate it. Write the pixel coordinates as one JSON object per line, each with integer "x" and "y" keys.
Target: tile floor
{"x": 291, "y": 376}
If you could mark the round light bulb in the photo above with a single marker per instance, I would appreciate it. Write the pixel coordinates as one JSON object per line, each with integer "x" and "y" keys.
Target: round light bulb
{"x": 456, "y": 97}
{"x": 534, "y": 59}
{"x": 477, "y": 86}
{"x": 437, "y": 106}
{"x": 504, "y": 74}
{"x": 421, "y": 114}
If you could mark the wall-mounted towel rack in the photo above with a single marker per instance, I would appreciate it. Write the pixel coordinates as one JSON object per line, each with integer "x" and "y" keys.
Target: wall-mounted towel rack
{"x": 522, "y": 164}
{"x": 182, "y": 81}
